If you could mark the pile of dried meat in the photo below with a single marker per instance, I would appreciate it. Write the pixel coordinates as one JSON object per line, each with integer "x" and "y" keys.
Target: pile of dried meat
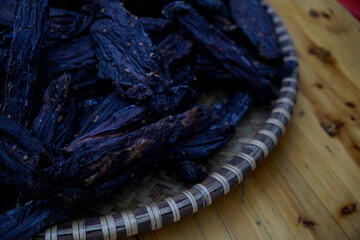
{"x": 97, "y": 94}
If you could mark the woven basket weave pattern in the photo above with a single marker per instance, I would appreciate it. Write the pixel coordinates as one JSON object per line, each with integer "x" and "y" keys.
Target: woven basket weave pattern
{"x": 159, "y": 199}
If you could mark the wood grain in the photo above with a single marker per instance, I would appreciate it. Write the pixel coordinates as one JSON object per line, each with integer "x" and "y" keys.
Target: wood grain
{"x": 309, "y": 186}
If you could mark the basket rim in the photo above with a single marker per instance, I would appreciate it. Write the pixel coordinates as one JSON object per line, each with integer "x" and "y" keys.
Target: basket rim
{"x": 219, "y": 183}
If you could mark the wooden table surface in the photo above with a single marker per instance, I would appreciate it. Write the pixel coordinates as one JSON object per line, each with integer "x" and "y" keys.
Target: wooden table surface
{"x": 309, "y": 185}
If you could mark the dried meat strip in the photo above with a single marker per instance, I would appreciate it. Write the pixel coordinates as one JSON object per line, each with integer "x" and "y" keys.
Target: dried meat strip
{"x": 23, "y": 222}
{"x": 206, "y": 68}
{"x": 20, "y": 143}
{"x": 5, "y": 43}
{"x": 67, "y": 56}
{"x": 7, "y": 13}
{"x": 75, "y": 57}
{"x": 28, "y": 35}
{"x": 132, "y": 117}
{"x": 191, "y": 172}
{"x": 103, "y": 112}
{"x": 235, "y": 59}
{"x": 126, "y": 54}
{"x": 257, "y": 25}
{"x": 15, "y": 171}
{"x": 54, "y": 125}
{"x": 175, "y": 49}
{"x": 201, "y": 145}
{"x": 99, "y": 158}
{"x": 65, "y": 24}
{"x": 194, "y": 151}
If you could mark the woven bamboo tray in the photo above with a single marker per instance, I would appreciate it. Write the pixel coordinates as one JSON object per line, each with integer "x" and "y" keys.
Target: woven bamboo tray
{"x": 160, "y": 199}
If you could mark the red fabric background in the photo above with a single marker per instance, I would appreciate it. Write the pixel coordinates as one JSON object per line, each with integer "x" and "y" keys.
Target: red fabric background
{"x": 353, "y": 6}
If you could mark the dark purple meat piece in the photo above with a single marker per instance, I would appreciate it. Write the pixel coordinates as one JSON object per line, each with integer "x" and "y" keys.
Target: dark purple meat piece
{"x": 29, "y": 32}
{"x": 88, "y": 93}
{"x": 20, "y": 142}
{"x": 176, "y": 98}
{"x": 103, "y": 112}
{"x": 257, "y": 25}
{"x": 191, "y": 172}
{"x": 126, "y": 55}
{"x": 194, "y": 151}
{"x": 275, "y": 71}
{"x": 54, "y": 125}
{"x": 110, "y": 183}
{"x": 75, "y": 57}
{"x": 135, "y": 172}
{"x": 175, "y": 49}
{"x": 183, "y": 75}
{"x": 47, "y": 212}
{"x": 18, "y": 172}
{"x": 211, "y": 136}
{"x": 201, "y": 145}
{"x": 235, "y": 59}
{"x": 7, "y": 13}
{"x": 217, "y": 14}
{"x": 66, "y": 24}
{"x": 205, "y": 68}
{"x": 75, "y": 196}
{"x": 132, "y": 117}
{"x": 117, "y": 124}
{"x": 209, "y": 72}
{"x": 223, "y": 23}
{"x": 143, "y": 167}
{"x": 84, "y": 109}
{"x": 5, "y": 42}
{"x": 104, "y": 157}
{"x": 23, "y": 222}
{"x": 24, "y": 162}
{"x": 232, "y": 110}
{"x": 66, "y": 56}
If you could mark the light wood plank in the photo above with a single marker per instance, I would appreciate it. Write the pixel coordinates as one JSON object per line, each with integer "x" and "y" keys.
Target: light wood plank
{"x": 188, "y": 229}
{"x": 211, "y": 224}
